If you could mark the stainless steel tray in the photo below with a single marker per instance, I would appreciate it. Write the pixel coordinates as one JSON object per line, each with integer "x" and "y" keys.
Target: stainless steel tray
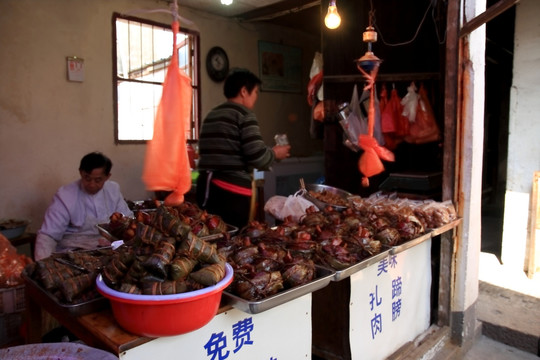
{"x": 139, "y": 205}
{"x": 42, "y": 296}
{"x": 333, "y": 190}
{"x": 409, "y": 244}
{"x": 323, "y": 278}
{"x": 103, "y": 231}
{"x": 345, "y": 273}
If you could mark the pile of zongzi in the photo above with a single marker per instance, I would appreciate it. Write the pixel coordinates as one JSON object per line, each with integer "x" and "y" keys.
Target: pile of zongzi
{"x": 166, "y": 257}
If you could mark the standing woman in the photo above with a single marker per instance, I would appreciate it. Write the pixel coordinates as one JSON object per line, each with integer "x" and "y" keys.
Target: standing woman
{"x": 230, "y": 147}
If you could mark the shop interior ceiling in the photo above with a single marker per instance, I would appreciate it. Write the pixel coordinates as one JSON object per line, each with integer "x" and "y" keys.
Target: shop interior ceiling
{"x": 302, "y": 15}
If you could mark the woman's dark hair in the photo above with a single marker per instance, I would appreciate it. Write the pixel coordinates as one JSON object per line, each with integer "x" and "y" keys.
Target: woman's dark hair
{"x": 95, "y": 160}
{"x": 238, "y": 78}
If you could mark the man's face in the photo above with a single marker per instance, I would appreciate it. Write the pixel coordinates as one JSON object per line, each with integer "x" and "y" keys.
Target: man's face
{"x": 93, "y": 182}
{"x": 251, "y": 97}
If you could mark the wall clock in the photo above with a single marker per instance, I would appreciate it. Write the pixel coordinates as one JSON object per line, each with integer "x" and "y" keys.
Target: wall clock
{"x": 217, "y": 64}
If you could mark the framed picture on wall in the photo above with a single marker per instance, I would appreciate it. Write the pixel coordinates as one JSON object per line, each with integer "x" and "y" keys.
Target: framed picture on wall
{"x": 280, "y": 67}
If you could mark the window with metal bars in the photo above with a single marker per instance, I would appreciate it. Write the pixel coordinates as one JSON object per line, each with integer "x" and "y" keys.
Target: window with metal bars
{"x": 142, "y": 51}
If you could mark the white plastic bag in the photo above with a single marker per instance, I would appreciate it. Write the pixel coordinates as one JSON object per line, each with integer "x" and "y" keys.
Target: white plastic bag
{"x": 317, "y": 67}
{"x": 410, "y": 103}
{"x": 294, "y": 206}
{"x": 357, "y": 123}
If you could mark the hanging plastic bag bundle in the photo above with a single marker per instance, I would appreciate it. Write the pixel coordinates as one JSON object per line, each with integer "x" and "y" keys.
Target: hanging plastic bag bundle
{"x": 410, "y": 103}
{"x": 315, "y": 97}
{"x": 395, "y": 126}
{"x": 166, "y": 165}
{"x": 383, "y": 99}
{"x": 424, "y": 129}
{"x": 365, "y": 103}
{"x": 352, "y": 121}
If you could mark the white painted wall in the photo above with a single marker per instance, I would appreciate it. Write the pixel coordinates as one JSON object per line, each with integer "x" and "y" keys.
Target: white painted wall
{"x": 48, "y": 123}
{"x": 524, "y": 133}
{"x": 470, "y": 166}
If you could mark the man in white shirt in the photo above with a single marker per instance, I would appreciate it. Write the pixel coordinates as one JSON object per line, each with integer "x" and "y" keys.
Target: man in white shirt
{"x": 71, "y": 219}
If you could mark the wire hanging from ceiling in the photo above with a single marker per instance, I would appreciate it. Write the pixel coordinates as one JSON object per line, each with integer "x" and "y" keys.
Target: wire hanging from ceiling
{"x": 430, "y": 6}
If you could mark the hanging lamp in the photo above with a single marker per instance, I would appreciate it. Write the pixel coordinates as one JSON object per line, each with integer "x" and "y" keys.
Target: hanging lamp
{"x": 332, "y": 20}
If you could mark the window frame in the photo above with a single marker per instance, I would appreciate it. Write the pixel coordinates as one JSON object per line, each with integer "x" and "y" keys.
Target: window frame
{"x": 195, "y": 82}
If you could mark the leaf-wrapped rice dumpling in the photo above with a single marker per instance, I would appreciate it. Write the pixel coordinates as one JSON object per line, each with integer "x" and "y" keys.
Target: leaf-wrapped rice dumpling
{"x": 181, "y": 266}
{"x": 130, "y": 288}
{"x": 158, "y": 261}
{"x": 209, "y": 275}
{"x": 150, "y": 235}
{"x": 199, "y": 249}
{"x": 118, "y": 266}
{"x": 164, "y": 288}
{"x": 51, "y": 273}
{"x": 170, "y": 224}
{"x": 136, "y": 270}
{"x": 74, "y": 286}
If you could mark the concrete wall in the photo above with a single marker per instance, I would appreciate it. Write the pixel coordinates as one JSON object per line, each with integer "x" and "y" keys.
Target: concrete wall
{"x": 524, "y": 133}
{"x": 48, "y": 123}
{"x": 469, "y": 185}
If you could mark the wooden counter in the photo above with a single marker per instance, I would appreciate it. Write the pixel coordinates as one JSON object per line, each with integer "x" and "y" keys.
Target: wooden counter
{"x": 266, "y": 335}
{"x": 98, "y": 329}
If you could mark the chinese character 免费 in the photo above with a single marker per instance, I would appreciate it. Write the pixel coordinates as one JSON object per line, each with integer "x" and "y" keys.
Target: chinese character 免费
{"x": 242, "y": 333}
{"x": 215, "y": 346}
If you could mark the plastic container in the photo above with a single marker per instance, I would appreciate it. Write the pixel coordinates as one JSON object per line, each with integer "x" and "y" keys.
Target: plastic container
{"x": 13, "y": 228}
{"x": 165, "y": 315}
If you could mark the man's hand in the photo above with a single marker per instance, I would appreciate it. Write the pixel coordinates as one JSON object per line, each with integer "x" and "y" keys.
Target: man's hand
{"x": 282, "y": 151}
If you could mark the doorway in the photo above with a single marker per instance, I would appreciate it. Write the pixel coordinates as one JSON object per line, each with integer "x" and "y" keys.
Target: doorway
{"x": 498, "y": 81}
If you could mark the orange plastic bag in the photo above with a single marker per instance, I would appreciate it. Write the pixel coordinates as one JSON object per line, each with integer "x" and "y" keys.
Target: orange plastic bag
{"x": 370, "y": 163}
{"x": 383, "y": 98}
{"x": 424, "y": 129}
{"x": 394, "y": 125}
{"x": 166, "y": 165}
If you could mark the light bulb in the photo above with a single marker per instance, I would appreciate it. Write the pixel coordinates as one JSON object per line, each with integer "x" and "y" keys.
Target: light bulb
{"x": 332, "y": 19}
{"x": 226, "y": 2}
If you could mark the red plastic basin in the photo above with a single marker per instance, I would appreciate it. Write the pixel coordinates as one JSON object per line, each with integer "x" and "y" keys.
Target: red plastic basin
{"x": 165, "y": 315}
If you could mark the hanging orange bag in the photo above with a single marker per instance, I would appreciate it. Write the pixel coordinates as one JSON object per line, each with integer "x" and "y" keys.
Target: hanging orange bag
{"x": 394, "y": 125}
{"x": 166, "y": 165}
{"x": 424, "y": 129}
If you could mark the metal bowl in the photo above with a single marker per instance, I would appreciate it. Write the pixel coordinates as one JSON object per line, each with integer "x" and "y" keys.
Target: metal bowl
{"x": 330, "y": 189}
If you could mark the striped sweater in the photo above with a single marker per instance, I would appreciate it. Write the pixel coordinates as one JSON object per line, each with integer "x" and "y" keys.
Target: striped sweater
{"x": 231, "y": 145}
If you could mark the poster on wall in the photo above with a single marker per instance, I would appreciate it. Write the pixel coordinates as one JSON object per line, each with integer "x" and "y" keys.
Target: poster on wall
{"x": 75, "y": 68}
{"x": 280, "y": 67}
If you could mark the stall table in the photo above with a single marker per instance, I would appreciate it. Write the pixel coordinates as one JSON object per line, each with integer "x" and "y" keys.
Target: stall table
{"x": 231, "y": 334}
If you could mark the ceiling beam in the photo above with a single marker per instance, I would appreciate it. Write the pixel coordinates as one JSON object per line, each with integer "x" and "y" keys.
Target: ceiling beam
{"x": 490, "y": 13}
{"x": 276, "y": 10}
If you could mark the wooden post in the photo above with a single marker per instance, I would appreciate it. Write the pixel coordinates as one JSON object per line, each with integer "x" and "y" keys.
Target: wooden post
{"x": 533, "y": 250}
